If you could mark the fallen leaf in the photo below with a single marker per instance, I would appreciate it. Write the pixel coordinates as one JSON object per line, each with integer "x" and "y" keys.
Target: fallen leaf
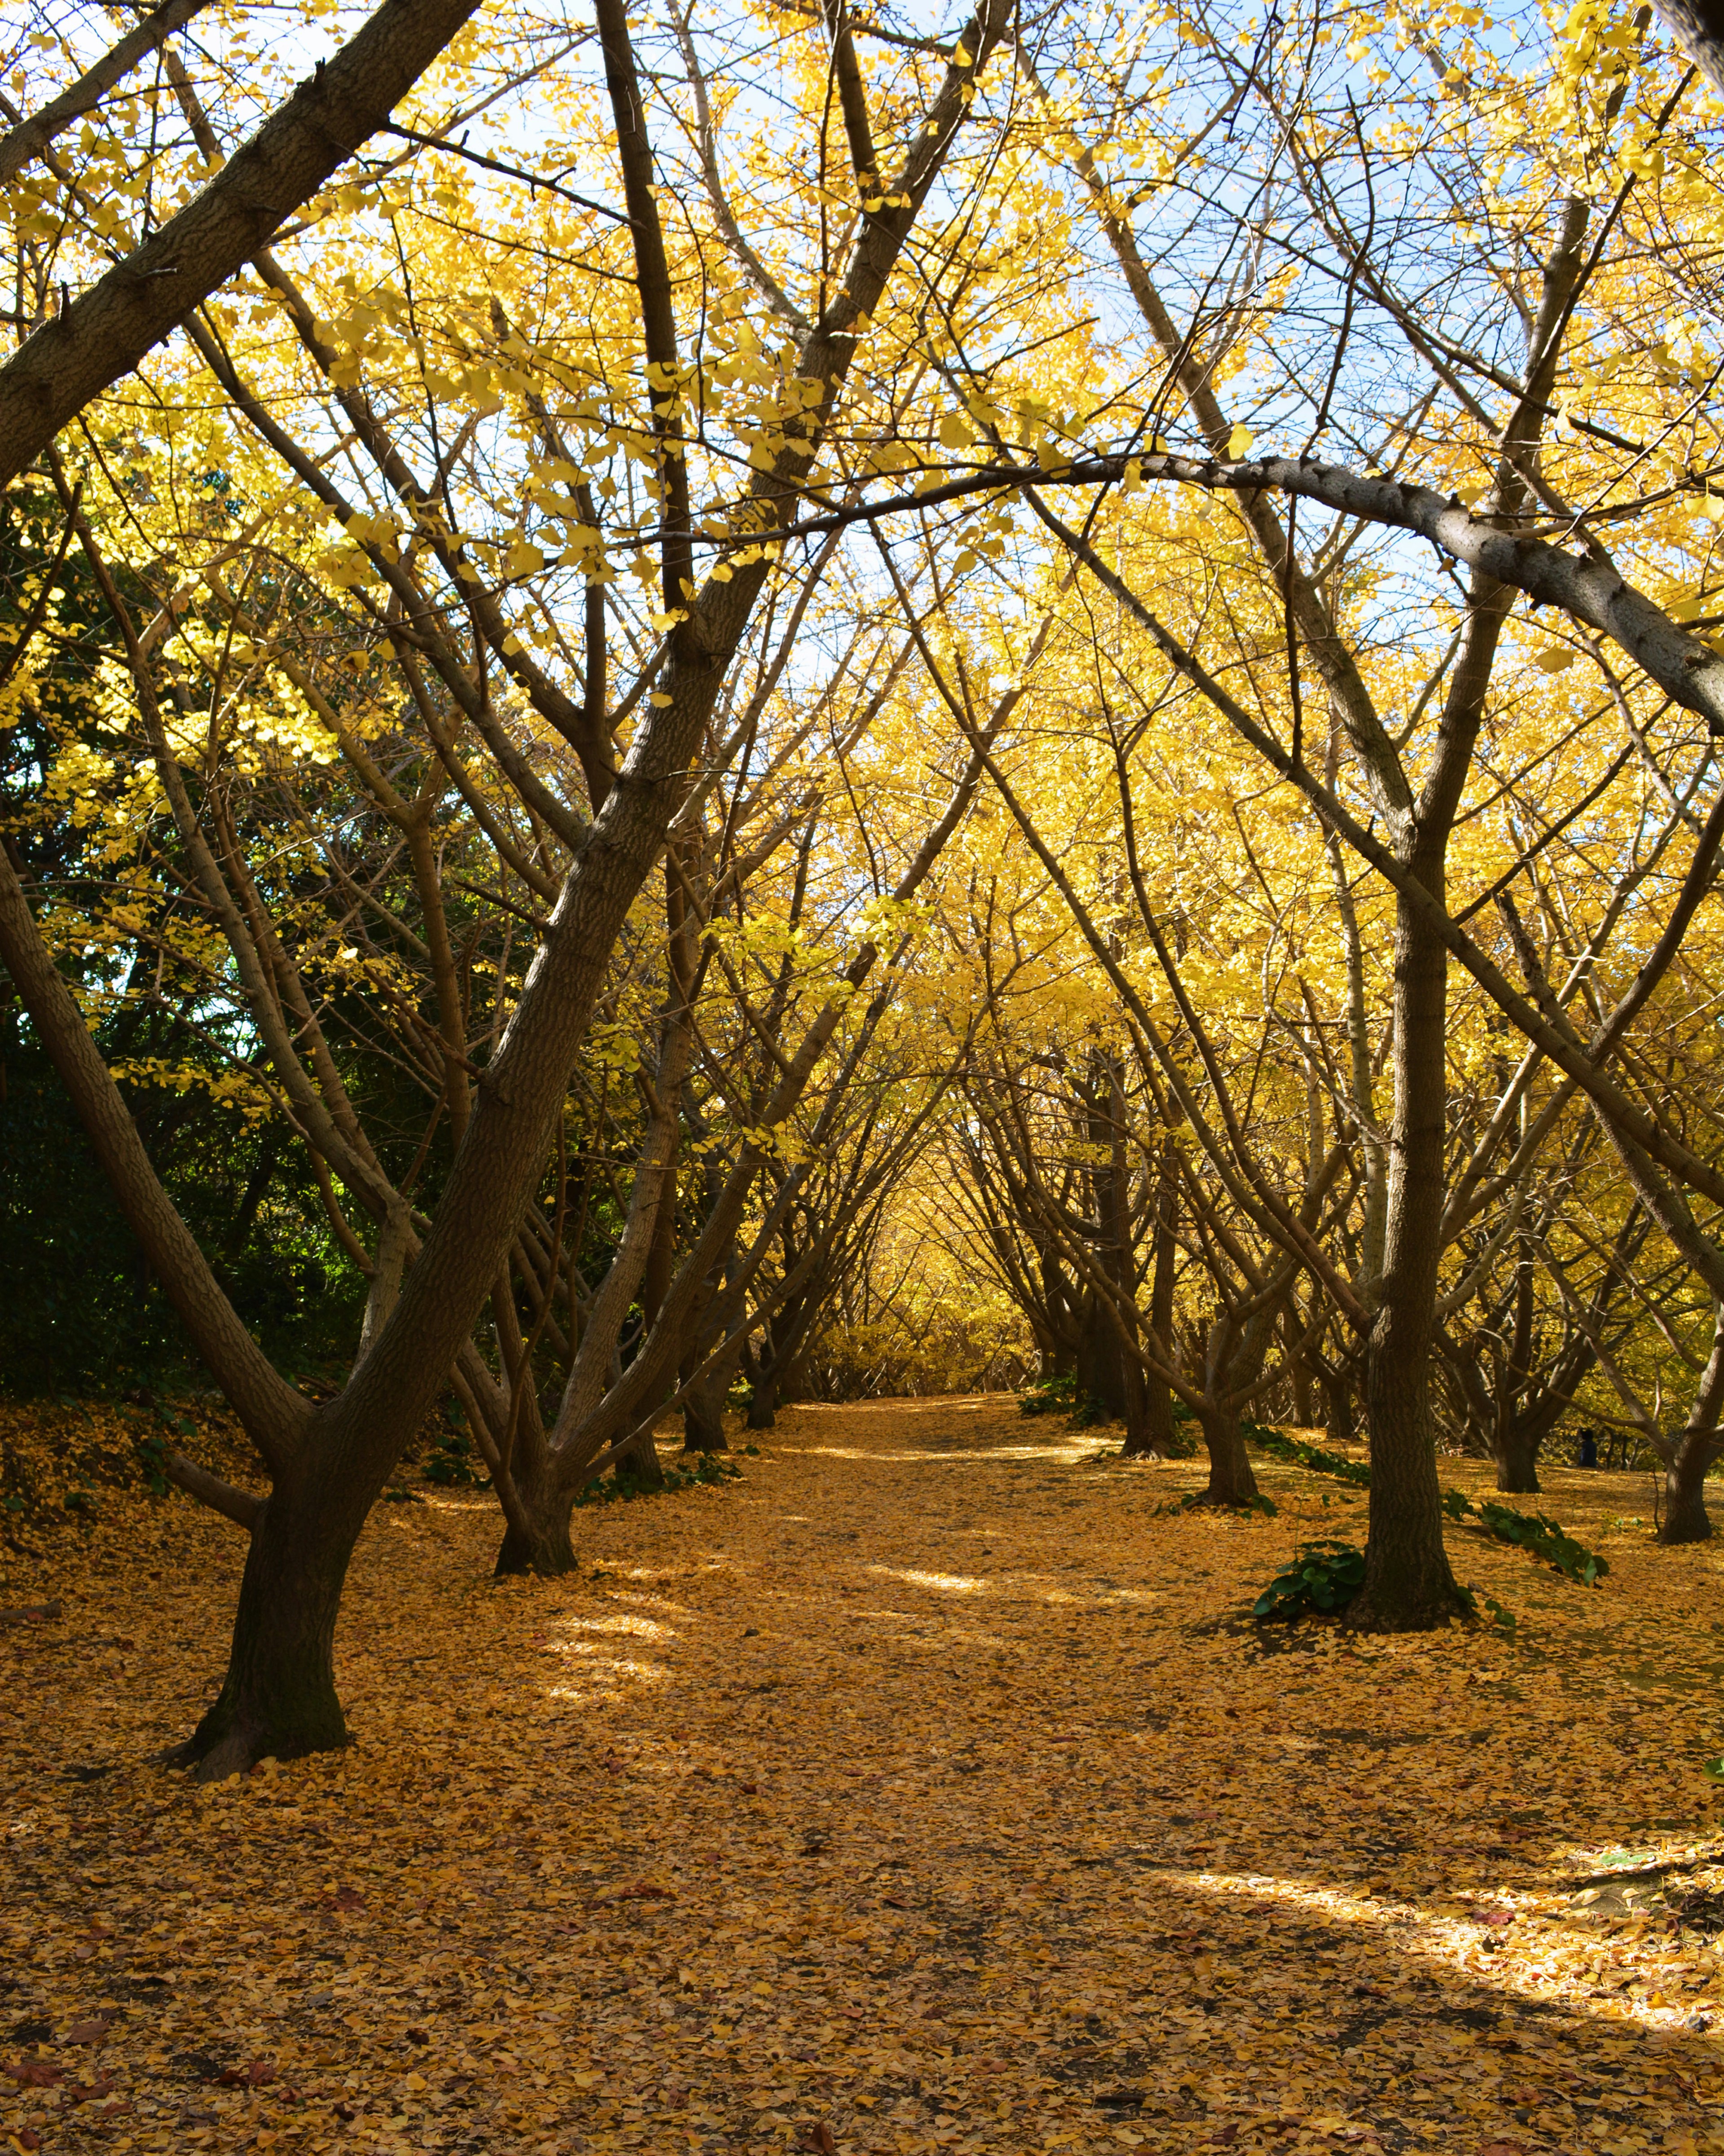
{"x": 37, "y": 2073}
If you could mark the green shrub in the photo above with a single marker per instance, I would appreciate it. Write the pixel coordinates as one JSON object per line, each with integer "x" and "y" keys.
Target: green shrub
{"x": 452, "y": 1464}
{"x": 1298, "y": 1454}
{"x": 1546, "y": 1538}
{"x": 1325, "y": 1576}
{"x": 1050, "y": 1395}
{"x": 708, "y": 1471}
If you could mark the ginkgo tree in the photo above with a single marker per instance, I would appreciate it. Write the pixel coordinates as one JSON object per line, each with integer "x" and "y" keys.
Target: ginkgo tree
{"x": 442, "y": 503}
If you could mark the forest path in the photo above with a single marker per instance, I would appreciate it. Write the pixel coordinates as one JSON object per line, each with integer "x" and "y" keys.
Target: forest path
{"x": 924, "y": 1789}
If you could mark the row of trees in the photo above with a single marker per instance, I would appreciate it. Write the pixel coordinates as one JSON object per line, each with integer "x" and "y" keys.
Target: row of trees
{"x": 673, "y": 679}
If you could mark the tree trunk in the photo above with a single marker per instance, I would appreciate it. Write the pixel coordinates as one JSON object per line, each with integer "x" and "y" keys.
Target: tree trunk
{"x": 640, "y": 1461}
{"x": 1136, "y": 1393}
{"x": 546, "y": 1550}
{"x": 762, "y": 1400}
{"x": 1409, "y": 1586}
{"x": 1100, "y": 1371}
{"x": 279, "y": 1700}
{"x": 1231, "y": 1480}
{"x": 542, "y": 1542}
{"x": 703, "y": 1412}
{"x": 1516, "y": 1454}
{"x": 1340, "y": 1425}
{"x": 1300, "y": 1374}
{"x": 1684, "y": 1517}
{"x": 1158, "y": 1394}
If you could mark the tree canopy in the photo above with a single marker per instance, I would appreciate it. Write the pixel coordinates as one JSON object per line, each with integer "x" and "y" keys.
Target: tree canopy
{"x": 814, "y": 700}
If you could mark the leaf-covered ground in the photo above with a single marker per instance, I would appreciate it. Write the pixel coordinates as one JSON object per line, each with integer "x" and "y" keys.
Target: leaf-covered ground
{"x": 921, "y": 1790}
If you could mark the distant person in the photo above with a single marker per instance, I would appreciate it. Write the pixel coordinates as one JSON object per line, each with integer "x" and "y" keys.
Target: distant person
{"x": 1588, "y": 1448}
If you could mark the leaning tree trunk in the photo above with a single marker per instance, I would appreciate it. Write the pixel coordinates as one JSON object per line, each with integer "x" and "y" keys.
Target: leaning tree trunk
{"x": 639, "y": 1460}
{"x": 1408, "y": 1585}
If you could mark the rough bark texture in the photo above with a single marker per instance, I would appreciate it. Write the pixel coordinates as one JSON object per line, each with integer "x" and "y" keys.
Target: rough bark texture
{"x": 703, "y": 1414}
{"x": 1409, "y": 1586}
{"x": 1698, "y": 27}
{"x": 1685, "y": 1518}
{"x": 546, "y": 1549}
{"x": 537, "y": 1539}
{"x": 763, "y": 1403}
{"x": 279, "y": 1700}
{"x": 1516, "y": 1456}
{"x": 1231, "y": 1480}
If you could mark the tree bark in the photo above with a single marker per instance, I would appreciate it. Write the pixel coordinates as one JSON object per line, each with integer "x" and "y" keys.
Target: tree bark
{"x": 279, "y": 1700}
{"x": 1683, "y": 1515}
{"x": 1100, "y": 1365}
{"x": 546, "y": 1550}
{"x": 1341, "y": 1425}
{"x": 106, "y": 331}
{"x": 1158, "y": 1394}
{"x": 538, "y": 1538}
{"x": 1685, "y": 1518}
{"x": 703, "y": 1412}
{"x": 1231, "y": 1480}
{"x": 1517, "y": 1456}
{"x": 32, "y": 136}
{"x": 1409, "y": 1586}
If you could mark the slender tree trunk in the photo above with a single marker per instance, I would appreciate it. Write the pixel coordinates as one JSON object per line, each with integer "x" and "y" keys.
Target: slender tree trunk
{"x": 763, "y": 1400}
{"x": 1158, "y": 1398}
{"x": 1135, "y": 1391}
{"x": 1341, "y": 1426}
{"x": 1409, "y": 1586}
{"x": 1301, "y": 1377}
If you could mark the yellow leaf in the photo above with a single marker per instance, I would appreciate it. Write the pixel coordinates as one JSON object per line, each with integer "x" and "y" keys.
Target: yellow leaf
{"x": 1238, "y": 441}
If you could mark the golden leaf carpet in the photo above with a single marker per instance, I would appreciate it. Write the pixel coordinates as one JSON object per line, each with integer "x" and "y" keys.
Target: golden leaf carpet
{"x": 924, "y": 1789}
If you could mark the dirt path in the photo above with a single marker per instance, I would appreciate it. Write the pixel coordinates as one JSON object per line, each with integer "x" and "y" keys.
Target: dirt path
{"x": 923, "y": 1790}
